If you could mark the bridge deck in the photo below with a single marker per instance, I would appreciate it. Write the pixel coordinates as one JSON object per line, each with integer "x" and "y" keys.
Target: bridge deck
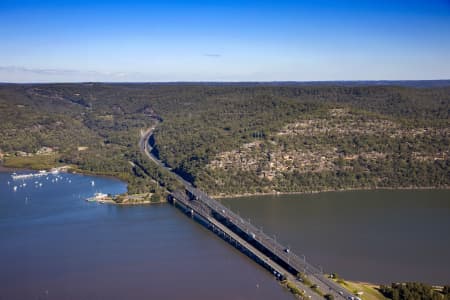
{"x": 289, "y": 260}
{"x": 263, "y": 246}
{"x": 198, "y": 209}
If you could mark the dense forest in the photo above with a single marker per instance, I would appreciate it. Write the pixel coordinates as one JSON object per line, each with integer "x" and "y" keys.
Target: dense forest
{"x": 413, "y": 290}
{"x": 234, "y": 139}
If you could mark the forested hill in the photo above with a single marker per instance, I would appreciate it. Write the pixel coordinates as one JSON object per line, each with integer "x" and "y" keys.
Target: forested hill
{"x": 232, "y": 138}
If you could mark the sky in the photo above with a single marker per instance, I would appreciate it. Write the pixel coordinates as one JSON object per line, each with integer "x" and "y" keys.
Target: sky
{"x": 154, "y": 41}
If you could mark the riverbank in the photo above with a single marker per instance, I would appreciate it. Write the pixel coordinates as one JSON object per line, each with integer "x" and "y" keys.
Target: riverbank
{"x": 360, "y": 290}
{"x": 122, "y": 199}
{"x": 112, "y": 202}
{"x": 4, "y": 169}
{"x": 244, "y": 195}
{"x": 366, "y": 290}
{"x": 363, "y": 290}
{"x": 76, "y": 170}
{"x": 370, "y": 291}
{"x": 137, "y": 199}
{"x": 63, "y": 168}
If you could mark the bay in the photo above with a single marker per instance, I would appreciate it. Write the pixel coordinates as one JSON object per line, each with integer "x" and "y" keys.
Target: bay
{"x": 56, "y": 245}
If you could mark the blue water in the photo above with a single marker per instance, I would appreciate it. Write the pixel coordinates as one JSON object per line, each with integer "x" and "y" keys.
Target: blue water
{"x": 56, "y": 245}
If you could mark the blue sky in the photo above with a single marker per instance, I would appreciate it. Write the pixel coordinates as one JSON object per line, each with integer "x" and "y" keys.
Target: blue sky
{"x": 52, "y": 41}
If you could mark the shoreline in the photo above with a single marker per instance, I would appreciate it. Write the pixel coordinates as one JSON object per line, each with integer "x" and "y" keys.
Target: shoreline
{"x": 70, "y": 169}
{"x": 245, "y": 195}
{"x": 112, "y": 202}
{"x": 4, "y": 169}
{"x": 237, "y": 196}
{"x": 75, "y": 170}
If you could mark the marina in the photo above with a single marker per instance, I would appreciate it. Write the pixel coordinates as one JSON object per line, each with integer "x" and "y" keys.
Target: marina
{"x": 39, "y": 179}
{"x": 41, "y": 173}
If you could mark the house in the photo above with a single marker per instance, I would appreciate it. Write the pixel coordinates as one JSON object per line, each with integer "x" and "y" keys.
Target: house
{"x": 44, "y": 150}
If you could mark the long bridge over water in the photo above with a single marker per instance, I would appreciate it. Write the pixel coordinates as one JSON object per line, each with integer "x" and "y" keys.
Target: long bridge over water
{"x": 246, "y": 237}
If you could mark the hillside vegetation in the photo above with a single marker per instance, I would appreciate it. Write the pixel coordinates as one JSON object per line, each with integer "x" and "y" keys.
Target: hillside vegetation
{"x": 414, "y": 290}
{"x": 235, "y": 139}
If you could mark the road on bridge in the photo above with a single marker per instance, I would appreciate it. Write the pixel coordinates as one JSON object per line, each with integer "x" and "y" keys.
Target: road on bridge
{"x": 326, "y": 285}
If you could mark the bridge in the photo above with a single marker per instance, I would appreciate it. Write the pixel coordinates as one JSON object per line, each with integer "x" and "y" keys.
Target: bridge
{"x": 246, "y": 237}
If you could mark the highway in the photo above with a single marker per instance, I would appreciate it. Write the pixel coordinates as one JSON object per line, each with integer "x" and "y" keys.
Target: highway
{"x": 277, "y": 251}
{"x": 204, "y": 211}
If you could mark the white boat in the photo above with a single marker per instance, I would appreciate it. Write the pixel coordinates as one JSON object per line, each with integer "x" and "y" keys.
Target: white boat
{"x": 98, "y": 197}
{"x": 26, "y": 176}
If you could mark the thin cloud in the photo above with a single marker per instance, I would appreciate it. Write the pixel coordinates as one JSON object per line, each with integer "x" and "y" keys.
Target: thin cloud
{"x": 60, "y": 72}
{"x": 20, "y": 74}
{"x": 41, "y": 71}
{"x": 214, "y": 55}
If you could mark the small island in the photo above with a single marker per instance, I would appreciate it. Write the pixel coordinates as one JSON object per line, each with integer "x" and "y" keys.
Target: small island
{"x": 125, "y": 199}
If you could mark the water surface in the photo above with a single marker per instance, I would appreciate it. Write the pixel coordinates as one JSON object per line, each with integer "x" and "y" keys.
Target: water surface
{"x": 55, "y": 245}
{"x": 377, "y": 236}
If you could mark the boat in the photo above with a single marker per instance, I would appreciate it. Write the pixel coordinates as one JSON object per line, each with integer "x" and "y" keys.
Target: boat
{"x": 16, "y": 176}
{"x": 100, "y": 197}
{"x": 54, "y": 171}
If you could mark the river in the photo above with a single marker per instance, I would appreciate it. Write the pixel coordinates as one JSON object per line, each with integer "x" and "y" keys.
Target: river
{"x": 55, "y": 245}
{"x": 379, "y": 236}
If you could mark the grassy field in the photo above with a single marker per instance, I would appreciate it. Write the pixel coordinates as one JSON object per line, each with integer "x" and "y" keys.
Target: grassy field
{"x": 370, "y": 291}
{"x": 35, "y": 162}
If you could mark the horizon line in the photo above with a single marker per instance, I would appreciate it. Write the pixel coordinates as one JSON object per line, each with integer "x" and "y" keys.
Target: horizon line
{"x": 218, "y": 81}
